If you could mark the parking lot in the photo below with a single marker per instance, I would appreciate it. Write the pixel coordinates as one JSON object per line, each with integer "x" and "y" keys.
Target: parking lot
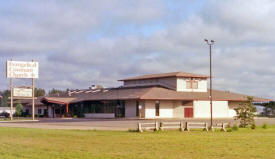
{"x": 107, "y": 124}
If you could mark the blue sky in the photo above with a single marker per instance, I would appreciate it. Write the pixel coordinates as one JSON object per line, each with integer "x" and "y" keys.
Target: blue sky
{"x": 85, "y": 42}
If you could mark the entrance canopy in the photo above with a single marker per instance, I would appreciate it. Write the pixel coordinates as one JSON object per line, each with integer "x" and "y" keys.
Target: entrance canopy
{"x": 57, "y": 100}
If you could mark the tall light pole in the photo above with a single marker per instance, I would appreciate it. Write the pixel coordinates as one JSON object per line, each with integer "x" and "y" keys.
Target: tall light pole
{"x": 211, "y": 100}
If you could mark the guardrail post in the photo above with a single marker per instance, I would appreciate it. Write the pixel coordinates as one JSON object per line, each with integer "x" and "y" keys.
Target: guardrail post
{"x": 161, "y": 126}
{"x": 157, "y": 126}
{"x": 223, "y": 127}
{"x": 186, "y": 126}
{"x": 181, "y": 126}
{"x": 139, "y": 127}
{"x": 206, "y": 128}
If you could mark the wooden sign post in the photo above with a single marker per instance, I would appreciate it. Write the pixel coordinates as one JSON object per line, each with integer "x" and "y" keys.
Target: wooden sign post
{"x": 11, "y": 106}
{"x": 21, "y": 69}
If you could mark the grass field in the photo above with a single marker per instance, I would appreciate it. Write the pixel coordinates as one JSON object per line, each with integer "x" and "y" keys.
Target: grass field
{"x": 66, "y": 144}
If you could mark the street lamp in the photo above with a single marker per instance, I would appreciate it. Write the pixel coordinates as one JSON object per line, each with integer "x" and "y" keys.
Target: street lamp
{"x": 211, "y": 100}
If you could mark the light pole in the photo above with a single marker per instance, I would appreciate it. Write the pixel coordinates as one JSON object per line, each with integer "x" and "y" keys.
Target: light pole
{"x": 211, "y": 100}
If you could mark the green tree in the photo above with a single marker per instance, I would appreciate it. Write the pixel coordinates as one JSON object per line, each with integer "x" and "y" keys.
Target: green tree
{"x": 38, "y": 92}
{"x": 269, "y": 109}
{"x": 5, "y": 98}
{"x": 246, "y": 112}
{"x": 56, "y": 91}
{"x": 19, "y": 109}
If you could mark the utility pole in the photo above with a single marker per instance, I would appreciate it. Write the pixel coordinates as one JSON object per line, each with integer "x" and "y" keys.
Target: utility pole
{"x": 211, "y": 98}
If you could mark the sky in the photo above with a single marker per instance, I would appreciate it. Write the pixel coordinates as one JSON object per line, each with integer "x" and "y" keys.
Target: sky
{"x": 79, "y": 43}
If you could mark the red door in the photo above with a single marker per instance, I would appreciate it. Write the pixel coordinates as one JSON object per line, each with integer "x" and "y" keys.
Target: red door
{"x": 188, "y": 112}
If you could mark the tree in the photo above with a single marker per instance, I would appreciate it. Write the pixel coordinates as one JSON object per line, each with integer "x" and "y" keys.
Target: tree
{"x": 55, "y": 91}
{"x": 270, "y": 109}
{"x": 19, "y": 109}
{"x": 38, "y": 92}
{"x": 5, "y": 98}
{"x": 246, "y": 112}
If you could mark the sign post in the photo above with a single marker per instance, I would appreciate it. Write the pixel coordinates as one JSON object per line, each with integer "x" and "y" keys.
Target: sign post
{"x": 33, "y": 110}
{"x": 22, "y": 69}
{"x": 11, "y": 106}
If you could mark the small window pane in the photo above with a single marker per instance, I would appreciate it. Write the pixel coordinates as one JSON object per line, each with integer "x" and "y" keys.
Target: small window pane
{"x": 195, "y": 85}
{"x": 188, "y": 84}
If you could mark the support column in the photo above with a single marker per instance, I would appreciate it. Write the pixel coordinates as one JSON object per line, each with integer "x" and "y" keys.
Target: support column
{"x": 33, "y": 109}
{"x": 67, "y": 109}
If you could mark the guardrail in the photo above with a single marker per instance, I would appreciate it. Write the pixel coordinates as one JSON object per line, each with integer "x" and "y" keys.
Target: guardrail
{"x": 148, "y": 126}
{"x": 192, "y": 125}
{"x": 171, "y": 125}
{"x": 221, "y": 126}
{"x": 155, "y": 126}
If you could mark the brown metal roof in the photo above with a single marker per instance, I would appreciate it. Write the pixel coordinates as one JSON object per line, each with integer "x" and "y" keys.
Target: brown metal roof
{"x": 113, "y": 94}
{"x": 162, "y": 75}
{"x": 166, "y": 94}
{"x": 159, "y": 93}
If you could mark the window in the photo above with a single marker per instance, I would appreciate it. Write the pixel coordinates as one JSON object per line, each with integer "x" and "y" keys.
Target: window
{"x": 27, "y": 111}
{"x": 45, "y": 112}
{"x": 39, "y": 111}
{"x": 188, "y": 85}
{"x": 195, "y": 85}
{"x": 192, "y": 84}
{"x": 157, "y": 108}
{"x": 137, "y": 108}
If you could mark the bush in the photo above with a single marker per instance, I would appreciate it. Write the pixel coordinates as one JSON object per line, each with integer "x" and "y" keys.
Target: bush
{"x": 132, "y": 130}
{"x": 19, "y": 109}
{"x": 235, "y": 127}
{"x": 253, "y": 126}
{"x": 265, "y": 126}
{"x": 246, "y": 112}
{"x": 229, "y": 130}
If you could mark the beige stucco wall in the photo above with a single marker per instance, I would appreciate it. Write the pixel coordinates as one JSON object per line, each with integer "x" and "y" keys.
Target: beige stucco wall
{"x": 220, "y": 109}
{"x": 150, "y": 109}
{"x": 231, "y": 106}
{"x": 166, "y": 109}
{"x": 178, "y": 109}
{"x": 174, "y": 109}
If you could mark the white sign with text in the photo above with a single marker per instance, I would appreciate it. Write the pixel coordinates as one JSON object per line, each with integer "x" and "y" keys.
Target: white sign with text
{"x": 22, "y": 69}
{"x": 22, "y": 92}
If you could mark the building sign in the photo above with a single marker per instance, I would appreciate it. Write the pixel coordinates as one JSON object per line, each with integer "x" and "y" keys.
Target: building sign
{"x": 22, "y": 92}
{"x": 22, "y": 69}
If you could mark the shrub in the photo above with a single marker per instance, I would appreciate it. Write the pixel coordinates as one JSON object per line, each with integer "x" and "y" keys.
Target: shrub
{"x": 246, "y": 112}
{"x": 19, "y": 109}
{"x": 235, "y": 127}
{"x": 253, "y": 126}
{"x": 265, "y": 126}
{"x": 229, "y": 130}
{"x": 132, "y": 130}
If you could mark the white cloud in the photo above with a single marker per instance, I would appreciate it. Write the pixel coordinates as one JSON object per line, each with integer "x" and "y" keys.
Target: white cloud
{"x": 78, "y": 44}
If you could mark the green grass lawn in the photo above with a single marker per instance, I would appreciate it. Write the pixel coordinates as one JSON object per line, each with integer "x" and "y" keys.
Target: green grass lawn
{"x": 67, "y": 144}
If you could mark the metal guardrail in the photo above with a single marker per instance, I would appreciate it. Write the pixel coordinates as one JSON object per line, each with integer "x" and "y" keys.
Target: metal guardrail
{"x": 179, "y": 125}
{"x": 172, "y": 125}
{"x": 221, "y": 126}
{"x": 148, "y": 126}
{"x": 192, "y": 125}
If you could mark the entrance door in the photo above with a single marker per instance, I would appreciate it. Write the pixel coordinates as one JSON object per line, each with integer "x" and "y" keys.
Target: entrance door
{"x": 188, "y": 112}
